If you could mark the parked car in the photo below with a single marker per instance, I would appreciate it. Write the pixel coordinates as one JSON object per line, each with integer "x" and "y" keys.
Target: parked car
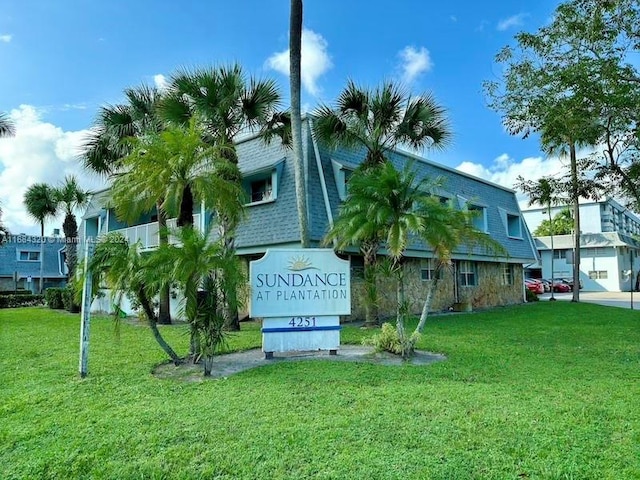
{"x": 547, "y": 284}
{"x": 534, "y": 285}
{"x": 566, "y": 281}
{"x": 561, "y": 287}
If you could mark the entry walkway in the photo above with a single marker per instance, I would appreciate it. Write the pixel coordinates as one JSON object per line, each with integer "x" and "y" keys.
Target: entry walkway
{"x": 609, "y": 299}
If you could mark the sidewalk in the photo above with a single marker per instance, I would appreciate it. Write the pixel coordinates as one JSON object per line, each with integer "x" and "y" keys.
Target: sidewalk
{"x": 609, "y": 299}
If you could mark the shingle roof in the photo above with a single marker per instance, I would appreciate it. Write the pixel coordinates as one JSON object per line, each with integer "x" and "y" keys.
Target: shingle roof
{"x": 10, "y": 257}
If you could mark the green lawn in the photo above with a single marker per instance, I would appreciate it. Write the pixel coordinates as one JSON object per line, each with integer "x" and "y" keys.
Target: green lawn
{"x": 548, "y": 390}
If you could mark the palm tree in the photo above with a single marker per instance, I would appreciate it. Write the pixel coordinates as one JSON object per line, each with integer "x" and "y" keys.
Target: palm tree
{"x": 125, "y": 270}
{"x": 396, "y": 205}
{"x": 3, "y": 230}
{"x": 177, "y": 166}
{"x": 7, "y": 127}
{"x": 295, "y": 57}
{"x": 544, "y": 192}
{"x": 200, "y": 263}
{"x": 41, "y": 203}
{"x": 70, "y": 196}
{"x": 354, "y": 226}
{"x": 104, "y": 149}
{"x": 378, "y": 121}
{"x": 227, "y": 103}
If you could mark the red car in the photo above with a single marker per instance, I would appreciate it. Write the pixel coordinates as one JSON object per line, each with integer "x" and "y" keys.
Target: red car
{"x": 561, "y": 286}
{"x": 535, "y": 286}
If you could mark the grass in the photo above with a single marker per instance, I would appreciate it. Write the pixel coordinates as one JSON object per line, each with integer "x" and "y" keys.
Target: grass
{"x": 548, "y": 390}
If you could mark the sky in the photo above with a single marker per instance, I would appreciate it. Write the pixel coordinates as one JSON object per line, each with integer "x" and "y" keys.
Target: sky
{"x": 61, "y": 60}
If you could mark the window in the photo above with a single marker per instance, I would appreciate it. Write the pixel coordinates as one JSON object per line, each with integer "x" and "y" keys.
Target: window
{"x": 507, "y": 274}
{"x": 595, "y": 252}
{"x": 514, "y": 226}
{"x": 261, "y": 186}
{"x": 261, "y": 190}
{"x": 479, "y": 217}
{"x": 357, "y": 267}
{"x": 467, "y": 273}
{"x": 560, "y": 253}
{"x": 598, "y": 274}
{"x": 428, "y": 270}
{"x": 29, "y": 256}
{"x": 341, "y": 174}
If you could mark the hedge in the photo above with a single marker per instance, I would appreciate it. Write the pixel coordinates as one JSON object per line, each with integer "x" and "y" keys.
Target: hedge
{"x": 12, "y": 301}
{"x": 54, "y": 298}
{"x": 15, "y": 292}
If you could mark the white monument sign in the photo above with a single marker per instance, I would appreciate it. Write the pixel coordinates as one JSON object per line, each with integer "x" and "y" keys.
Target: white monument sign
{"x": 300, "y": 294}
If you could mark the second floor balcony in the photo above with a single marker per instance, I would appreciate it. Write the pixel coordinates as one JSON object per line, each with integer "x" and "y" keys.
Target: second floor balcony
{"x": 147, "y": 234}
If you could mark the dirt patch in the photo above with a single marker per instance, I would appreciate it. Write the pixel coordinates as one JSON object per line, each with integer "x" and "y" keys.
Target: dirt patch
{"x": 232, "y": 363}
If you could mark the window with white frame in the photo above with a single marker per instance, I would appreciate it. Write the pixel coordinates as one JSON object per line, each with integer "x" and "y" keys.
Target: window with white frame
{"x": 514, "y": 226}
{"x": 341, "y": 174}
{"x": 508, "y": 274}
{"x": 428, "y": 268}
{"x": 262, "y": 186}
{"x": 560, "y": 253}
{"x": 28, "y": 256}
{"x": 595, "y": 252}
{"x": 479, "y": 217}
{"x": 468, "y": 273}
{"x": 598, "y": 274}
{"x": 261, "y": 190}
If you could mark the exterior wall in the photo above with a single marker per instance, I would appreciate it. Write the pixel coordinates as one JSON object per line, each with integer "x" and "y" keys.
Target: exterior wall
{"x": 613, "y": 260}
{"x": 488, "y": 293}
{"x": 590, "y": 220}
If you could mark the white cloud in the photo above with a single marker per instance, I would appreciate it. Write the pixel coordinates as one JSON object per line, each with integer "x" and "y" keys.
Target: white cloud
{"x": 414, "y": 63}
{"x": 504, "y": 170}
{"x": 160, "y": 82}
{"x": 510, "y": 22}
{"x": 315, "y": 61}
{"x": 39, "y": 152}
{"x": 6, "y": 37}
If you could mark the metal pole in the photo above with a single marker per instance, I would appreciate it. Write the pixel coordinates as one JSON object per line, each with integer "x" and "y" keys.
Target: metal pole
{"x": 553, "y": 298}
{"x": 631, "y": 285}
{"x": 86, "y": 312}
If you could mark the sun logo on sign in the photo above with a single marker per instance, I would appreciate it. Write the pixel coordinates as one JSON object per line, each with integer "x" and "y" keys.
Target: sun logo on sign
{"x": 297, "y": 264}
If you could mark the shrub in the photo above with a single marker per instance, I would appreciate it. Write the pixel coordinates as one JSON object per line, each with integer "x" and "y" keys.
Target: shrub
{"x": 531, "y": 297}
{"x": 22, "y": 300}
{"x": 389, "y": 341}
{"x": 53, "y": 297}
{"x": 69, "y": 299}
{"x": 16, "y": 292}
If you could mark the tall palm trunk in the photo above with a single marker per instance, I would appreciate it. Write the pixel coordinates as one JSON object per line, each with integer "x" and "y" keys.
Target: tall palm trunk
{"x": 164, "y": 306}
{"x": 295, "y": 55}
{"x": 70, "y": 229}
{"x": 185, "y": 218}
{"x": 229, "y": 293}
{"x": 576, "y": 222}
{"x": 40, "y": 290}
{"x": 369, "y": 252}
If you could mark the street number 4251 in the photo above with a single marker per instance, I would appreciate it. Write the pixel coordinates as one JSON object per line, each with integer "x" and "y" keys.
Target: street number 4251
{"x": 302, "y": 322}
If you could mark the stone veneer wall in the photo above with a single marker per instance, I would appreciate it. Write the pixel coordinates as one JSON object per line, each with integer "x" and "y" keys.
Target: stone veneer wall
{"x": 488, "y": 293}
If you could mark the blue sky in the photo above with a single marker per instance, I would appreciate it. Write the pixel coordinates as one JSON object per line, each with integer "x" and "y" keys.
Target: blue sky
{"x": 60, "y": 60}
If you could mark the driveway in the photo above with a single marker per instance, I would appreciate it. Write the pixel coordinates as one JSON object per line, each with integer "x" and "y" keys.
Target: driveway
{"x": 609, "y": 299}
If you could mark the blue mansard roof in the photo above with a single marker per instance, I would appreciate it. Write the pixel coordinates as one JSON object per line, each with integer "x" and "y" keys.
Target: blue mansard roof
{"x": 275, "y": 223}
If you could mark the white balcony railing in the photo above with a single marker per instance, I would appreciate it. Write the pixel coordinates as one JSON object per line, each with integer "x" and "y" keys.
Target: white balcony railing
{"x": 147, "y": 234}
